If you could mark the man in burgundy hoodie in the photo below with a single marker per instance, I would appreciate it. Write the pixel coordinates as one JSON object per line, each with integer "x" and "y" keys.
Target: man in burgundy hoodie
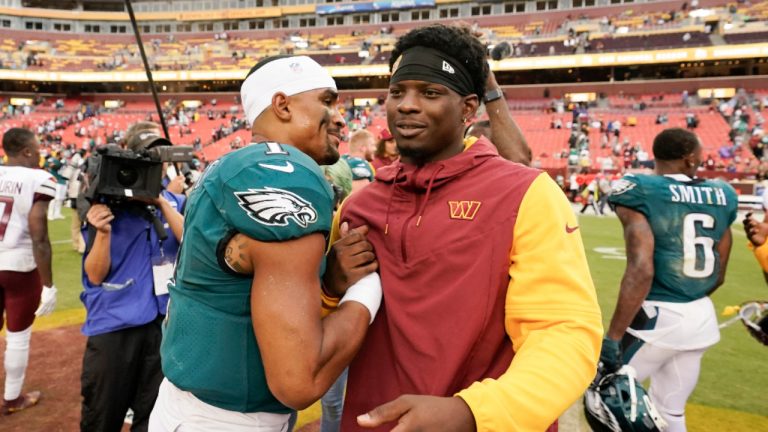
{"x": 489, "y": 320}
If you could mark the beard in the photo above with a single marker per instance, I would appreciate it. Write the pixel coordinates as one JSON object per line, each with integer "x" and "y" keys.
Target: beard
{"x": 330, "y": 157}
{"x": 415, "y": 155}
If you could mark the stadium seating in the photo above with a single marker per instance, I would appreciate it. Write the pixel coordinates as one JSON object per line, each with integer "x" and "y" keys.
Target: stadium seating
{"x": 548, "y": 144}
{"x": 339, "y": 45}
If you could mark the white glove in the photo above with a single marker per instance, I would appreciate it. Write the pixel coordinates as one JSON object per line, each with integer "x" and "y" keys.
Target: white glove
{"x": 47, "y": 301}
{"x": 366, "y": 291}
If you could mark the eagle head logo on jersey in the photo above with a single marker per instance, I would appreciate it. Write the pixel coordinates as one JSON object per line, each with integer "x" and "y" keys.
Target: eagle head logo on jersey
{"x": 621, "y": 186}
{"x": 273, "y": 207}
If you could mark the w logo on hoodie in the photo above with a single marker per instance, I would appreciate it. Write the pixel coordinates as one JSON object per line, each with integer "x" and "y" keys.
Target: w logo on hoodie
{"x": 465, "y": 210}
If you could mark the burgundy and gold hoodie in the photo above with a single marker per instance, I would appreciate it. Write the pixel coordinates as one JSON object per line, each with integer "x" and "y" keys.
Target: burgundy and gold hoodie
{"x": 487, "y": 293}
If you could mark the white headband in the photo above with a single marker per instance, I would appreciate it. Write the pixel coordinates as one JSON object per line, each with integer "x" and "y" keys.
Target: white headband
{"x": 290, "y": 75}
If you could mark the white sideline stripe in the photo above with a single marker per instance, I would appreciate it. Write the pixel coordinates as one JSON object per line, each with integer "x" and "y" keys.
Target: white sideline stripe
{"x": 60, "y": 241}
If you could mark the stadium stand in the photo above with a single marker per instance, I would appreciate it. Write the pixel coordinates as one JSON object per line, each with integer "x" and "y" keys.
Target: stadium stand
{"x": 619, "y": 29}
{"x": 549, "y": 33}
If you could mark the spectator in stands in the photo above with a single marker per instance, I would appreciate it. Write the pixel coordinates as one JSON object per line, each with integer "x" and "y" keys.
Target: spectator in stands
{"x": 691, "y": 121}
{"x": 616, "y": 128}
{"x": 386, "y": 150}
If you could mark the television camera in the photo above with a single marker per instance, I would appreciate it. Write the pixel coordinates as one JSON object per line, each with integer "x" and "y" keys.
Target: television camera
{"x": 113, "y": 174}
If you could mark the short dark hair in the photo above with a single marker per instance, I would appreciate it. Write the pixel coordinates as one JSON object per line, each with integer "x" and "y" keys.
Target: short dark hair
{"x": 674, "y": 144}
{"x": 457, "y": 42}
{"x": 16, "y": 139}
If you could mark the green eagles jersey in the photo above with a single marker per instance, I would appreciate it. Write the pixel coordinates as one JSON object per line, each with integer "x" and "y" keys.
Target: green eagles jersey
{"x": 267, "y": 191}
{"x": 688, "y": 218}
{"x": 361, "y": 169}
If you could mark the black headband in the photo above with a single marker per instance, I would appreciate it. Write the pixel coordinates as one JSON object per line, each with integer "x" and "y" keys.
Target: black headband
{"x": 426, "y": 64}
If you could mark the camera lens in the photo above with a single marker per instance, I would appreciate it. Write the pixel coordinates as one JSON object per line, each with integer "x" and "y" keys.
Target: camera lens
{"x": 127, "y": 176}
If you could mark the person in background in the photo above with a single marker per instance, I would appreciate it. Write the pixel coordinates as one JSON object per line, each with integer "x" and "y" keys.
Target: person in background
{"x": 26, "y": 277}
{"x": 126, "y": 266}
{"x": 75, "y": 164}
{"x": 386, "y": 150}
{"x": 590, "y": 195}
{"x": 678, "y": 241}
{"x": 340, "y": 177}
{"x": 361, "y": 145}
{"x": 53, "y": 164}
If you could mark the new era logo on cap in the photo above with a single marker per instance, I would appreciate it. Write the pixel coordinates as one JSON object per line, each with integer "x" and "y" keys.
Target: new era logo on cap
{"x": 447, "y": 67}
{"x": 296, "y": 68}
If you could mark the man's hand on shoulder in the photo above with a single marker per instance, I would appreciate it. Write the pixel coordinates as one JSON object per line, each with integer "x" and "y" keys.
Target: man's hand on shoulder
{"x": 100, "y": 216}
{"x": 349, "y": 259}
{"x": 422, "y": 413}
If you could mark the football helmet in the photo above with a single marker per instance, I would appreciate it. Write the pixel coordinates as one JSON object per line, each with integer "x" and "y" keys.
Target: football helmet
{"x": 618, "y": 403}
{"x": 754, "y": 315}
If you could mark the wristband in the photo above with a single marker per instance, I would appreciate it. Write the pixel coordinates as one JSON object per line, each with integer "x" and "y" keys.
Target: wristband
{"x": 492, "y": 95}
{"x": 761, "y": 253}
{"x": 366, "y": 291}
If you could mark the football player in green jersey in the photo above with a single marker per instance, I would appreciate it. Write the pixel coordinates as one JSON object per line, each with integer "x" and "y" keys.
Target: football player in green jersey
{"x": 244, "y": 343}
{"x": 678, "y": 239}
{"x": 361, "y": 146}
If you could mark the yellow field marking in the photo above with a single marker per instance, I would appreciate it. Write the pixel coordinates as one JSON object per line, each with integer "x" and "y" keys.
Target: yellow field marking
{"x": 58, "y": 319}
{"x": 700, "y": 418}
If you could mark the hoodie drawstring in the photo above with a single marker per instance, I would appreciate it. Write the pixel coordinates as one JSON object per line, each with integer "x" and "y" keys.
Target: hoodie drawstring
{"x": 426, "y": 197}
{"x": 391, "y": 197}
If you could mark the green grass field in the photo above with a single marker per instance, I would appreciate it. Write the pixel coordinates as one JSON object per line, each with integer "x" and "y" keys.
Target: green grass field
{"x": 729, "y": 396}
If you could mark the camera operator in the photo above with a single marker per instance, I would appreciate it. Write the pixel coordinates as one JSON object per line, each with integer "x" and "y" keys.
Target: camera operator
{"x": 127, "y": 262}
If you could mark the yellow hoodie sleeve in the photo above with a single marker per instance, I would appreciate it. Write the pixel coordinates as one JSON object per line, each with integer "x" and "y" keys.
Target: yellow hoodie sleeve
{"x": 552, "y": 317}
{"x": 329, "y": 303}
{"x": 761, "y": 254}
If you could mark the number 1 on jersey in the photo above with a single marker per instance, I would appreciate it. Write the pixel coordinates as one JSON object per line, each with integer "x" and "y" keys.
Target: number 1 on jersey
{"x": 274, "y": 148}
